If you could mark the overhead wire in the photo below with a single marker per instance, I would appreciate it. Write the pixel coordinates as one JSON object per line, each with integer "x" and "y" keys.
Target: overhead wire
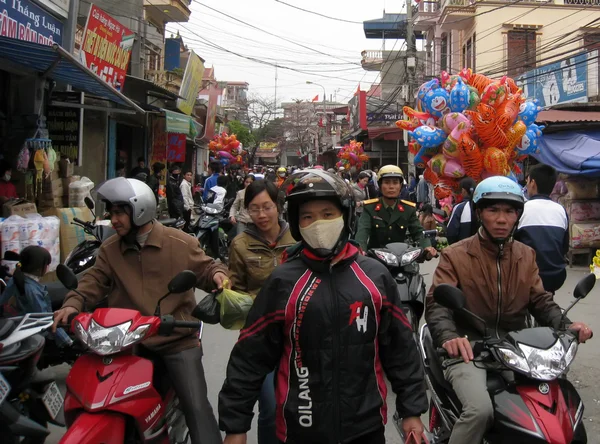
{"x": 318, "y": 13}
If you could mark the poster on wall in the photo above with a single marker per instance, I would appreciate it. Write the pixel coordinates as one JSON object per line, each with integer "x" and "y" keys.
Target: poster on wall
{"x": 65, "y": 125}
{"x": 106, "y": 47}
{"x": 159, "y": 141}
{"x": 565, "y": 81}
{"x": 24, "y": 20}
{"x": 176, "y": 148}
{"x": 191, "y": 84}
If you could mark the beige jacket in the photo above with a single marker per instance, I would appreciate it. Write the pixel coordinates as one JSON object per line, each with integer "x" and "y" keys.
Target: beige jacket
{"x": 137, "y": 279}
{"x": 238, "y": 210}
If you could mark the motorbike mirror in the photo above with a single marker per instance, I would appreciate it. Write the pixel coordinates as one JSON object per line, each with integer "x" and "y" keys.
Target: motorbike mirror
{"x": 89, "y": 203}
{"x": 449, "y": 297}
{"x": 584, "y": 286}
{"x": 183, "y": 282}
{"x": 12, "y": 256}
{"x": 66, "y": 277}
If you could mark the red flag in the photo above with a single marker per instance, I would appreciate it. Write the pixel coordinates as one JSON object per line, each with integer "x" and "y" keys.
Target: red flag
{"x": 316, "y": 98}
{"x": 321, "y": 122}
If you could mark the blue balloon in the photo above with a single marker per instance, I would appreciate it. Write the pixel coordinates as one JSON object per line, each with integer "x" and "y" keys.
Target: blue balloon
{"x": 512, "y": 177}
{"x": 428, "y": 137}
{"x": 528, "y": 111}
{"x": 530, "y": 141}
{"x": 224, "y": 161}
{"x": 459, "y": 96}
{"x": 424, "y": 89}
{"x": 436, "y": 102}
{"x": 423, "y": 156}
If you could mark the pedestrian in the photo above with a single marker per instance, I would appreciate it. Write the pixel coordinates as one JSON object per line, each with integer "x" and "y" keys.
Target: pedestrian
{"x": 132, "y": 270}
{"x": 328, "y": 321}
{"x": 253, "y": 255}
{"x": 412, "y": 187}
{"x": 216, "y": 195}
{"x": 153, "y": 181}
{"x": 8, "y": 190}
{"x": 422, "y": 192}
{"x": 463, "y": 219}
{"x": 361, "y": 191}
{"x": 214, "y": 169}
{"x": 174, "y": 196}
{"x": 140, "y": 168}
{"x": 238, "y": 215}
{"x": 426, "y": 218}
{"x": 188, "y": 199}
{"x": 544, "y": 227}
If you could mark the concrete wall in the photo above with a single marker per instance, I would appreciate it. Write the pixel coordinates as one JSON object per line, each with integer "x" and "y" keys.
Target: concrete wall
{"x": 93, "y": 163}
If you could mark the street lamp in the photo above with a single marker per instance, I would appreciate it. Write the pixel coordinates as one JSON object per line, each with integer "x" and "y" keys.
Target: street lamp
{"x": 308, "y": 82}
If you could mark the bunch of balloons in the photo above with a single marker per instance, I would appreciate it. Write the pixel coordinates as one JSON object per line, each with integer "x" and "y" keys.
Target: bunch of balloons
{"x": 352, "y": 155}
{"x": 226, "y": 149}
{"x": 470, "y": 125}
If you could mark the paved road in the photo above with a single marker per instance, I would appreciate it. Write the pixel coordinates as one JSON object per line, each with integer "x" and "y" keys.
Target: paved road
{"x": 585, "y": 372}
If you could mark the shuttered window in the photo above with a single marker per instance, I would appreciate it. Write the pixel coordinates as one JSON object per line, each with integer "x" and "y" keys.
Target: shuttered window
{"x": 521, "y": 51}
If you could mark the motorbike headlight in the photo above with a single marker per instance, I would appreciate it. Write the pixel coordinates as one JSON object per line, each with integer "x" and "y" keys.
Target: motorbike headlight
{"x": 548, "y": 364}
{"x": 109, "y": 340}
{"x": 389, "y": 258}
{"x": 514, "y": 360}
{"x": 409, "y": 257}
{"x": 571, "y": 352}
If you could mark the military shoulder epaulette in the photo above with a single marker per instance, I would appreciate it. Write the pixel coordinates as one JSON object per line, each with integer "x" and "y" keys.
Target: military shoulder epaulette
{"x": 370, "y": 201}
{"x": 407, "y": 202}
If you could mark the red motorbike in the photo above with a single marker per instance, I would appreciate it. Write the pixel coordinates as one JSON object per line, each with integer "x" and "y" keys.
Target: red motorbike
{"x": 114, "y": 395}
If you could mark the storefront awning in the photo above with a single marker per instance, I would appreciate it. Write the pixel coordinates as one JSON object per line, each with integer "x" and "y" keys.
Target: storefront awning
{"x": 55, "y": 62}
{"x": 180, "y": 124}
{"x": 571, "y": 152}
{"x": 386, "y": 133}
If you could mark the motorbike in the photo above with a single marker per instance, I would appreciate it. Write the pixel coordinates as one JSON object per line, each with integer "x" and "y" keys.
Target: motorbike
{"x": 28, "y": 400}
{"x": 211, "y": 229}
{"x": 532, "y": 399}
{"x": 114, "y": 395}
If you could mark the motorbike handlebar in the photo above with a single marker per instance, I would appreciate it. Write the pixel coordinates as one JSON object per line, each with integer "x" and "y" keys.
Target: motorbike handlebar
{"x": 186, "y": 324}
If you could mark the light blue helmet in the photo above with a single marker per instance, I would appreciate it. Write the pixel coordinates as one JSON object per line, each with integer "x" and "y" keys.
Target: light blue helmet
{"x": 499, "y": 188}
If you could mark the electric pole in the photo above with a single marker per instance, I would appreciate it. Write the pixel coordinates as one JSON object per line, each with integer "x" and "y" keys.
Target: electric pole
{"x": 411, "y": 50}
{"x": 275, "y": 104}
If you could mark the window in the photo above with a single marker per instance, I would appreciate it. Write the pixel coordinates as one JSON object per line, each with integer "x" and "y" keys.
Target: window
{"x": 468, "y": 53}
{"x": 444, "y": 53}
{"x": 521, "y": 51}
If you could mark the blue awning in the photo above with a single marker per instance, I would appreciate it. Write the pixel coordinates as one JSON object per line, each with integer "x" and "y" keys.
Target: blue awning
{"x": 56, "y": 63}
{"x": 572, "y": 152}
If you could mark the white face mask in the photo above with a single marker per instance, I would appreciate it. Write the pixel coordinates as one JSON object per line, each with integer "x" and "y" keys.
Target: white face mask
{"x": 7, "y": 177}
{"x": 323, "y": 233}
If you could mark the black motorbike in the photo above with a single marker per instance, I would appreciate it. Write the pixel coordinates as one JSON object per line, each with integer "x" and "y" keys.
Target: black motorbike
{"x": 532, "y": 399}
{"x": 212, "y": 228}
{"x": 28, "y": 401}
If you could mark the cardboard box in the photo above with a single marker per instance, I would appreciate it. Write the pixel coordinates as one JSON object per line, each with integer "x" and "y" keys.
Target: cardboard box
{"x": 70, "y": 235}
{"x": 585, "y": 235}
{"x": 66, "y": 168}
{"x": 52, "y": 202}
{"x": 20, "y": 207}
{"x": 52, "y": 188}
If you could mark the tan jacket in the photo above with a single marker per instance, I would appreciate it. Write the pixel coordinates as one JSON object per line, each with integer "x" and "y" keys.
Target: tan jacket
{"x": 472, "y": 265}
{"x": 252, "y": 260}
{"x": 137, "y": 279}
{"x": 238, "y": 210}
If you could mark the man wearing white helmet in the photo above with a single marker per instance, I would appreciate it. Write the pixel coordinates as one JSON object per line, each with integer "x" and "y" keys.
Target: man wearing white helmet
{"x": 133, "y": 268}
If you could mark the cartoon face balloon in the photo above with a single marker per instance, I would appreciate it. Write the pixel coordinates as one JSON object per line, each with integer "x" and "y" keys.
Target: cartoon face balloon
{"x": 528, "y": 111}
{"x": 427, "y": 136}
{"x": 530, "y": 141}
{"x": 459, "y": 96}
{"x": 451, "y": 121}
{"x": 436, "y": 102}
{"x": 423, "y": 90}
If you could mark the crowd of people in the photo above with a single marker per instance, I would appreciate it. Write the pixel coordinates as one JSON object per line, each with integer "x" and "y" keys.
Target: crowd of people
{"x": 326, "y": 324}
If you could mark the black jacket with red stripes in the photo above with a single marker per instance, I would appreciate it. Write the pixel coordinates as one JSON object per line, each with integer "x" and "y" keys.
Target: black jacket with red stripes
{"x": 332, "y": 332}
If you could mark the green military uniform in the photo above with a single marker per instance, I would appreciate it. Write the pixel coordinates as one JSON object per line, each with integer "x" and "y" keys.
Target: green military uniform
{"x": 380, "y": 224}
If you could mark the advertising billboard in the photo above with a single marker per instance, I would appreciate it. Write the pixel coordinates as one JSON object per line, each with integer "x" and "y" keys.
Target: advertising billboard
{"x": 191, "y": 84}
{"x": 24, "y": 20}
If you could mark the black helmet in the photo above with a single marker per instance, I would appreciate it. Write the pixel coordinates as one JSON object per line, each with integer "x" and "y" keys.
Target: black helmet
{"x": 312, "y": 184}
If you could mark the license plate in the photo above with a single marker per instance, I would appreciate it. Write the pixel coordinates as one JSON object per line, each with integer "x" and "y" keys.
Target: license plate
{"x": 4, "y": 388}
{"x": 53, "y": 400}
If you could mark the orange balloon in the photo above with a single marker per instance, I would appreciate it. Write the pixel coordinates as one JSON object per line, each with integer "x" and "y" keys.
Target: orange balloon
{"x": 507, "y": 112}
{"x": 470, "y": 156}
{"x": 494, "y": 162}
{"x": 430, "y": 176}
{"x": 515, "y": 133}
{"x": 484, "y": 123}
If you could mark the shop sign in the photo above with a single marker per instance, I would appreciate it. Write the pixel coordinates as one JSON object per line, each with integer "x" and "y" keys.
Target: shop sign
{"x": 58, "y": 7}
{"x": 24, "y": 20}
{"x": 176, "y": 148}
{"x": 565, "y": 81}
{"x": 357, "y": 111}
{"x": 159, "y": 141}
{"x": 106, "y": 47}
{"x": 191, "y": 84}
{"x": 65, "y": 125}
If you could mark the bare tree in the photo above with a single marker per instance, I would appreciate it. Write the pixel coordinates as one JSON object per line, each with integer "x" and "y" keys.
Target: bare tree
{"x": 300, "y": 125}
{"x": 261, "y": 110}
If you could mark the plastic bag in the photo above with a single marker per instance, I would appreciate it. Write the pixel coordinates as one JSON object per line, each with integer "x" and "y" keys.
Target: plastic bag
{"x": 234, "y": 308}
{"x": 208, "y": 309}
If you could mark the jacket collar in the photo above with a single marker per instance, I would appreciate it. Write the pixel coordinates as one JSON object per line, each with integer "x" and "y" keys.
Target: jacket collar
{"x": 155, "y": 238}
{"x": 479, "y": 244}
{"x": 254, "y": 234}
{"x": 540, "y": 197}
{"x": 318, "y": 264}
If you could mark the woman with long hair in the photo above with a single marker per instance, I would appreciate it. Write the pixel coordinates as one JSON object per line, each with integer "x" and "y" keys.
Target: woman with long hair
{"x": 238, "y": 215}
{"x": 253, "y": 255}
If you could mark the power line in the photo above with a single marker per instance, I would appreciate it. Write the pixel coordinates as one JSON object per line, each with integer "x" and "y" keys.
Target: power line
{"x": 318, "y": 13}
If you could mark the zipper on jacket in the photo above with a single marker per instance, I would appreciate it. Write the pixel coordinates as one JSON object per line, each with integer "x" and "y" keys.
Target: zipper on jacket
{"x": 336, "y": 358}
{"x": 499, "y": 306}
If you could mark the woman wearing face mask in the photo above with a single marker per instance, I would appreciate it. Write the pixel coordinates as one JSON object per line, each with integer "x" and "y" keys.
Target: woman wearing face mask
{"x": 329, "y": 320}
{"x": 238, "y": 215}
{"x": 253, "y": 256}
{"x": 7, "y": 188}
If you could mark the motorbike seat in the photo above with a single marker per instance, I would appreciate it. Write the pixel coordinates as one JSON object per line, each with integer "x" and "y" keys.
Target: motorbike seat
{"x": 6, "y": 328}
{"x": 168, "y": 222}
{"x": 27, "y": 347}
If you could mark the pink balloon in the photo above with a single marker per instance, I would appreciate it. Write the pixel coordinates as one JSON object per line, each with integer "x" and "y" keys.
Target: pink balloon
{"x": 224, "y": 155}
{"x": 451, "y": 121}
{"x": 453, "y": 169}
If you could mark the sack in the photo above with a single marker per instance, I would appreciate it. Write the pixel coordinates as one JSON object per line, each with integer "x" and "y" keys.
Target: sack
{"x": 208, "y": 310}
{"x": 234, "y": 308}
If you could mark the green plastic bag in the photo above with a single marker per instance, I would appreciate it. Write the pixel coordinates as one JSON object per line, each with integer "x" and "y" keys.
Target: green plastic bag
{"x": 234, "y": 308}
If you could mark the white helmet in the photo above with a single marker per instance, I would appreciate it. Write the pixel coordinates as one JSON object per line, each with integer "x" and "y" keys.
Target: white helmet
{"x": 133, "y": 193}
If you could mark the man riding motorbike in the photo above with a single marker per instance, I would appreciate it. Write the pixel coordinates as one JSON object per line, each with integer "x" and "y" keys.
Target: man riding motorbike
{"x": 501, "y": 282}
{"x": 388, "y": 219}
{"x": 133, "y": 268}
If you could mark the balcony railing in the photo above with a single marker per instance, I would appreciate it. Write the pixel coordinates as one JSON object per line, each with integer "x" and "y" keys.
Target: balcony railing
{"x": 583, "y": 2}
